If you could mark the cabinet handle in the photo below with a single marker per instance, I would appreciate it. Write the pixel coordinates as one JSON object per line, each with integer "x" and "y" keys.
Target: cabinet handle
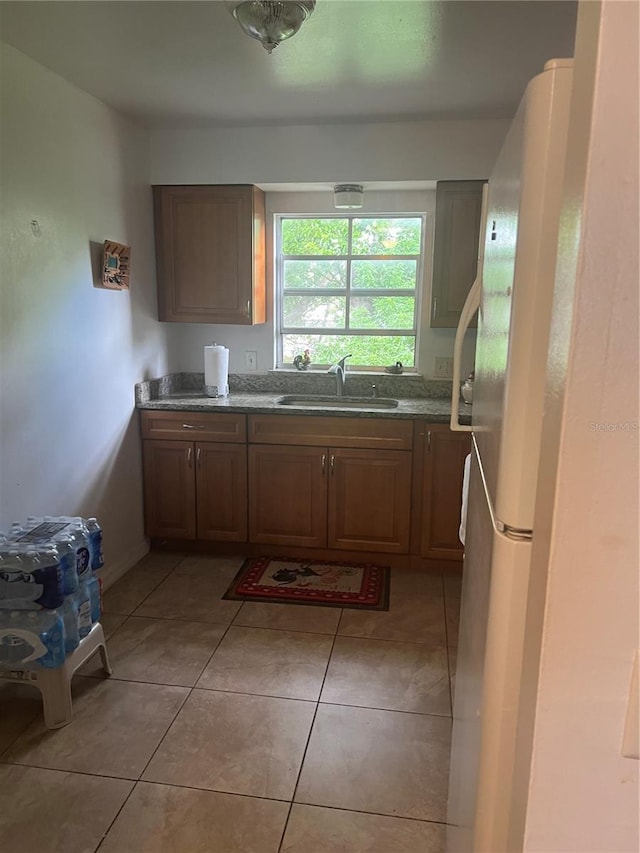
{"x": 429, "y": 441}
{"x": 324, "y": 463}
{"x": 191, "y": 426}
{"x": 248, "y": 308}
{"x": 198, "y": 452}
{"x": 332, "y": 464}
{"x": 189, "y": 455}
{"x": 435, "y": 307}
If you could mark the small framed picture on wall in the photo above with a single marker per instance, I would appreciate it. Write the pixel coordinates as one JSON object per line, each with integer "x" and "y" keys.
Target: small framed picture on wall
{"x": 115, "y": 265}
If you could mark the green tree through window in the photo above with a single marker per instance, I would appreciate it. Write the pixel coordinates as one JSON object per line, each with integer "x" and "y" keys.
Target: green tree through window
{"x": 349, "y": 284}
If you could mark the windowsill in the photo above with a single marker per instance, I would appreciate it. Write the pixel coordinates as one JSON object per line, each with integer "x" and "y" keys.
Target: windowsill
{"x": 355, "y": 371}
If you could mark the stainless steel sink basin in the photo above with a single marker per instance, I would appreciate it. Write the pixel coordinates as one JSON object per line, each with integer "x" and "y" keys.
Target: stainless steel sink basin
{"x": 318, "y": 401}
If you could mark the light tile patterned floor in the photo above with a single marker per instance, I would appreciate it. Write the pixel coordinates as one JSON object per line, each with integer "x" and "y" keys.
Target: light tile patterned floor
{"x": 241, "y": 728}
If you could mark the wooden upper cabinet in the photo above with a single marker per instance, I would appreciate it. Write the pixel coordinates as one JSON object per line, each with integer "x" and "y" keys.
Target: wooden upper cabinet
{"x": 455, "y": 252}
{"x": 210, "y": 254}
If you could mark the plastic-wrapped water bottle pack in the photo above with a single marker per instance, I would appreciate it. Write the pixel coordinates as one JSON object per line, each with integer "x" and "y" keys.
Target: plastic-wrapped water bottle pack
{"x": 49, "y": 590}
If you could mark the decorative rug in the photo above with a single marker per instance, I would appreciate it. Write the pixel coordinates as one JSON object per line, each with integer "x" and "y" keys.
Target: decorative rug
{"x": 331, "y": 584}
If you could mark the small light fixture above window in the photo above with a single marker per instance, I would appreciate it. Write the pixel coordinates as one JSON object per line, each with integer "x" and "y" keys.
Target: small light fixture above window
{"x": 348, "y": 196}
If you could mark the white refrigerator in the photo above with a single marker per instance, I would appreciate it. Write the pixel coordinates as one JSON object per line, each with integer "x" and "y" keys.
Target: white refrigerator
{"x": 513, "y": 295}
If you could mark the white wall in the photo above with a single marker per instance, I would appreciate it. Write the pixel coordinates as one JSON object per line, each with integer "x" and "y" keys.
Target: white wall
{"x": 71, "y": 352}
{"x": 583, "y": 794}
{"x": 395, "y": 151}
{"x": 186, "y": 341}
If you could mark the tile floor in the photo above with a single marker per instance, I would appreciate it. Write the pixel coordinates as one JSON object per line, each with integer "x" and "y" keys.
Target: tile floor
{"x": 241, "y": 728}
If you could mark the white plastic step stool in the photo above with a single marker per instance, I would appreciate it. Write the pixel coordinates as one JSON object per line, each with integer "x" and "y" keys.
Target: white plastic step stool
{"x": 55, "y": 684}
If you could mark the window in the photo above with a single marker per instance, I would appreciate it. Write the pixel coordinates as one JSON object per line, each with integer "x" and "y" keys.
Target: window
{"x": 349, "y": 284}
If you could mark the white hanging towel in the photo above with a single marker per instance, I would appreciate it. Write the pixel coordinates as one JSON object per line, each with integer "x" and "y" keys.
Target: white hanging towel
{"x": 465, "y": 497}
{"x": 216, "y": 371}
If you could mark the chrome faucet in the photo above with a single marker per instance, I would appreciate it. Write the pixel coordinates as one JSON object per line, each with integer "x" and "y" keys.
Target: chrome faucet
{"x": 339, "y": 370}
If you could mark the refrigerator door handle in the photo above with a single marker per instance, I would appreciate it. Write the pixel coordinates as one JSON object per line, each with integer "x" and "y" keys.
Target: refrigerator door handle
{"x": 471, "y": 305}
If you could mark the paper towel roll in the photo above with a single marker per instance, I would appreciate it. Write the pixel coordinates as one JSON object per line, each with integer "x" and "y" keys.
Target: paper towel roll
{"x": 216, "y": 371}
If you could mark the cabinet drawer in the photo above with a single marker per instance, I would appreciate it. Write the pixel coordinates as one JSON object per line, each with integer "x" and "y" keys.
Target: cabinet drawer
{"x": 366, "y": 433}
{"x": 194, "y": 425}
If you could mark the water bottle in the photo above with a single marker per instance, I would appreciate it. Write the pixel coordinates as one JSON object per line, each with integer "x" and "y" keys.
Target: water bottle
{"x": 95, "y": 543}
{"x": 10, "y": 566}
{"x": 83, "y": 563}
{"x": 70, "y": 615}
{"x": 63, "y": 554}
{"x": 41, "y": 568}
{"x": 65, "y": 546}
{"x": 31, "y": 639}
{"x": 83, "y": 556}
{"x": 80, "y": 602}
{"x": 27, "y": 583}
{"x": 85, "y": 599}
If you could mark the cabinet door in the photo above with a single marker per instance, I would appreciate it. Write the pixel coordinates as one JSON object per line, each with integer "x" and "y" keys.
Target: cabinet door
{"x": 169, "y": 489}
{"x": 369, "y": 500}
{"x": 288, "y": 495}
{"x": 221, "y": 488}
{"x": 210, "y": 254}
{"x": 445, "y": 452}
{"x": 455, "y": 250}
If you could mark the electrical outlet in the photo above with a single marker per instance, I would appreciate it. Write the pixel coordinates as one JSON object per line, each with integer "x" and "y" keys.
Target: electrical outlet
{"x": 251, "y": 360}
{"x": 443, "y": 367}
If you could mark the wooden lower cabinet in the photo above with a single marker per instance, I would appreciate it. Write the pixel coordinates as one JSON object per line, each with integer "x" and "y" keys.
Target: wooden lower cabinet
{"x": 169, "y": 489}
{"x": 444, "y": 455}
{"x": 400, "y": 495}
{"x": 221, "y": 491}
{"x": 369, "y": 500}
{"x": 355, "y": 500}
{"x": 287, "y": 495}
{"x": 195, "y": 490}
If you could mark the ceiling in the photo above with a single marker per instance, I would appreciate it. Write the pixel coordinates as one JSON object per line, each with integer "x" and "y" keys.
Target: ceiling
{"x": 177, "y": 64}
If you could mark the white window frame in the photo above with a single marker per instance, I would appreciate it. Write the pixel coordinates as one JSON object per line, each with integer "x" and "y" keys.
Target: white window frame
{"x": 281, "y": 329}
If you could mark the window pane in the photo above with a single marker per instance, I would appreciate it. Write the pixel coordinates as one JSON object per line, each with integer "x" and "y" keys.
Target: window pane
{"x": 315, "y": 274}
{"x": 366, "y": 350}
{"x": 315, "y": 236}
{"x": 386, "y": 236}
{"x": 382, "y": 312}
{"x": 314, "y": 312}
{"x": 384, "y": 274}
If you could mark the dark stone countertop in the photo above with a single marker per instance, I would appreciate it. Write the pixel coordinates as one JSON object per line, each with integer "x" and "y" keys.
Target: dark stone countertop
{"x": 183, "y": 392}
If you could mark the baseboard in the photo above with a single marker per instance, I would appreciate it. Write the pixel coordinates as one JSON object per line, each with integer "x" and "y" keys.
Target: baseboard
{"x": 250, "y": 549}
{"x": 114, "y": 571}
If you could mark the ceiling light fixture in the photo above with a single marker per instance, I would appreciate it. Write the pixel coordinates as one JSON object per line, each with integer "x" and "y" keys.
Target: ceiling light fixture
{"x": 348, "y": 196}
{"x": 271, "y": 21}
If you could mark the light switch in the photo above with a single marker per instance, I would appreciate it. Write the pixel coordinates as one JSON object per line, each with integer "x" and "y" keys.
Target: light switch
{"x": 631, "y": 737}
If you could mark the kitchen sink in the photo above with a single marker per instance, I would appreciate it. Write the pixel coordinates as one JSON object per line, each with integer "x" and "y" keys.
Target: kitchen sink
{"x": 319, "y": 401}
